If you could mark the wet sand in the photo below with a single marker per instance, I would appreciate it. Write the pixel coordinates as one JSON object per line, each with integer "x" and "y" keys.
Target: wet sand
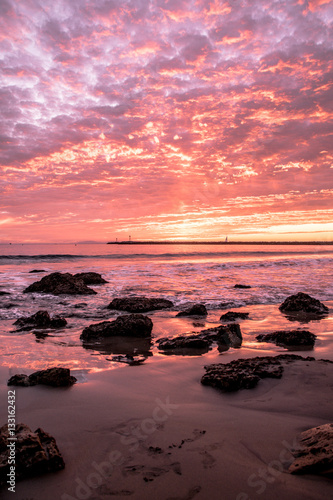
{"x": 154, "y": 432}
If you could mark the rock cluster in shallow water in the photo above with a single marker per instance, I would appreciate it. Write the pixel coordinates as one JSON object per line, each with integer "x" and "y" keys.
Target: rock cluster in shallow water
{"x": 40, "y": 319}
{"x": 130, "y": 325}
{"x": 56, "y": 377}
{"x": 289, "y": 338}
{"x": 225, "y": 336}
{"x": 246, "y": 373}
{"x": 60, "y": 284}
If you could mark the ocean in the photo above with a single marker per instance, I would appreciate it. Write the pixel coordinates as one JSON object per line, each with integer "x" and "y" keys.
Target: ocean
{"x": 184, "y": 274}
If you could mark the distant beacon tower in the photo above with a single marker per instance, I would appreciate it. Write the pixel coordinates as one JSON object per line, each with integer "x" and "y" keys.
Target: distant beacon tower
{"x": 226, "y": 239}
{"x": 129, "y": 238}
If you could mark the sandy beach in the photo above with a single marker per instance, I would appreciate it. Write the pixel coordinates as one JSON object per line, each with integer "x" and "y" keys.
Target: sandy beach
{"x": 155, "y": 432}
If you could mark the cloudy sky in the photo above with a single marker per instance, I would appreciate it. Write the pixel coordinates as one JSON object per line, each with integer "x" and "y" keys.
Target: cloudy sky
{"x": 166, "y": 119}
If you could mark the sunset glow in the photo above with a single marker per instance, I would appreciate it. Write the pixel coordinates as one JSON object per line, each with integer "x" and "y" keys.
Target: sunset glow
{"x": 166, "y": 119}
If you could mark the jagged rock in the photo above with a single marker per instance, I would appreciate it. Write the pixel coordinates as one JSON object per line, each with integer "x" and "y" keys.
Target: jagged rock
{"x": 40, "y": 319}
{"x": 59, "y": 284}
{"x": 131, "y": 325}
{"x": 291, "y": 338}
{"x": 303, "y": 303}
{"x": 225, "y": 336}
{"x": 56, "y": 377}
{"x": 315, "y": 455}
{"x": 35, "y": 452}
{"x": 91, "y": 278}
{"x": 232, "y": 316}
{"x": 195, "y": 310}
{"x": 242, "y": 286}
{"x": 246, "y": 373}
{"x": 139, "y": 304}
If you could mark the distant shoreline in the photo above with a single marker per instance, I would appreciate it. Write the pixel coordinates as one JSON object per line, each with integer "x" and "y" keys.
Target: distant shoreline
{"x": 220, "y": 243}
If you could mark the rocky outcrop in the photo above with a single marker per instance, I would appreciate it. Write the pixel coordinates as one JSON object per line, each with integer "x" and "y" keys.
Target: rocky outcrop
{"x": 225, "y": 336}
{"x": 37, "y": 271}
{"x": 131, "y": 325}
{"x": 304, "y": 304}
{"x": 195, "y": 310}
{"x": 91, "y": 278}
{"x": 2, "y": 292}
{"x": 246, "y": 373}
{"x": 139, "y": 304}
{"x": 315, "y": 455}
{"x": 242, "y": 286}
{"x": 291, "y": 338}
{"x": 56, "y": 377}
{"x": 233, "y": 316}
{"x": 35, "y": 453}
{"x": 60, "y": 284}
{"x": 40, "y": 319}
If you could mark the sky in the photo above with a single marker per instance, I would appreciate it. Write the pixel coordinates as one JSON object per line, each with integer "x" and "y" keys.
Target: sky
{"x": 166, "y": 119}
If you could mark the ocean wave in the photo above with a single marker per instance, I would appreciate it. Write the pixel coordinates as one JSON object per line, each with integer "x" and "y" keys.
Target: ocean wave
{"x": 163, "y": 256}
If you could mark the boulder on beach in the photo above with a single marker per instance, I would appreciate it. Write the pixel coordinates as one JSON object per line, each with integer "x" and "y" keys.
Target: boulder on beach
{"x": 195, "y": 310}
{"x": 225, "y": 336}
{"x": 91, "y": 278}
{"x": 233, "y": 316}
{"x": 139, "y": 304}
{"x": 60, "y": 284}
{"x": 315, "y": 452}
{"x": 41, "y": 319}
{"x": 246, "y": 373}
{"x": 55, "y": 376}
{"x": 289, "y": 338}
{"x": 242, "y": 286}
{"x": 35, "y": 453}
{"x": 304, "y": 304}
{"x": 131, "y": 325}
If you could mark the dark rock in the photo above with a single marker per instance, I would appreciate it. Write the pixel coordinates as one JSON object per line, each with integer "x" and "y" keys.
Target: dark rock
{"x": 4, "y": 293}
{"x": 139, "y": 304}
{"x": 195, "y": 310}
{"x": 246, "y": 373}
{"x": 232, "y": 316}
{"x": 40, "y": 319}
{"x": 37, "y": 271}
{"x": 131, "y": 325}
{"x": 56, "y": 377}
{"x": 315, "y": 455}
{"x": 184, "y": 342}
{"x": 225, "y": 336}
{"x": 35, "y": 453}
{"x": 291, "y": 338}
{"x": 242, "y": 286}
{"x": 91, "y": 278}
{"x": 128, "y": 359}
{"x": 59, "y": 284}
{"x": 303, "y": 303}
